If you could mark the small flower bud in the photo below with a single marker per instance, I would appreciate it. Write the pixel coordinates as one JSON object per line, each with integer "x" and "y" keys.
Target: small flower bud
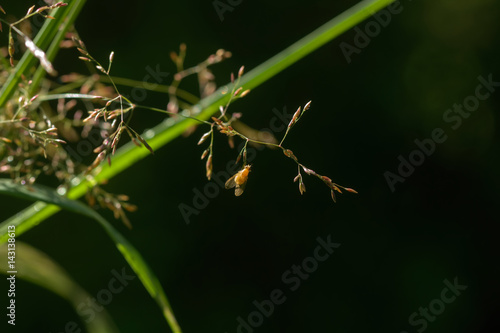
{"x": 209, "y": 167}
{"x": 204, "y": 137}
{"x": 246, "y": 92}
{"x": 302, "y": 187}
{"x": 205, "y": 153}
{"x": 307, "y": 106}
{"x": 333, "y": 196}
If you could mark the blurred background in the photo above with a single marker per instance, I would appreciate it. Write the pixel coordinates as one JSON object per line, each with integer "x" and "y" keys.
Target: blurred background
{"x": 397, "y": 247}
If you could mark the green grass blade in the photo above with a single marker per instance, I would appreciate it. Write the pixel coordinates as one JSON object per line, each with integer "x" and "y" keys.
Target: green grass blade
{"x": 40, "y": 269}
{"x": 133, "y": 257}
{"x": 49, "y": 35}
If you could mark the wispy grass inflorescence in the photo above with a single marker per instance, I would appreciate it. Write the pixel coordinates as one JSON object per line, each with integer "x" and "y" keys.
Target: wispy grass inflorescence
{"x": 223, "y": 124}
{"x": 33, "y": 130}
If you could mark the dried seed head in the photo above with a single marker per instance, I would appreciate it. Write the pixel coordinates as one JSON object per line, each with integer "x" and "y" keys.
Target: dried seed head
{"x": 350, "y": 190}
{"x": 246, "y": 92}
{"x": 230, "y": 141}
{"x": 307, "y": 106}
{"x": 101, "y": 69}
{"x": 333, "y": 196}
{"x": 205, "y": 153}
{"x": 302, "y": 187}
{"x": 204, "y": 137}
{"x": 237, "y": 91}
{"x": 232, "y": 77}
{"x": 295, "y": 117}
{"x": 334, "y": 187}
{"x": 296, "y": 178}
{"x": 289, "y": 153}
{"x": 30, "y": 10}
{"x": 241, "y": 71}
{"x": 148, "y": 147}
{"x": 209, "y": 167}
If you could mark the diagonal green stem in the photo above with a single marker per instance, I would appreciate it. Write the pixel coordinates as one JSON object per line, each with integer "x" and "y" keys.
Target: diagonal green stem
{"x": 170, "y": 128}
{"x": 48, "y": 37}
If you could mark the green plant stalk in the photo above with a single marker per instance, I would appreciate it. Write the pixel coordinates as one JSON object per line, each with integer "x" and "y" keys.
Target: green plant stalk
{"x": 49, "y": 35}
{"x": 70, "y": 15}
{"x": 171, "y": 128}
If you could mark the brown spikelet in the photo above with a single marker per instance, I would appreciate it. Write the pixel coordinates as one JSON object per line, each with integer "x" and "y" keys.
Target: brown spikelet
{"x": 148, "y": 147}
{"x": 205, "y": 153}
{"x": 204, "y": 137}
{"x": 209, "y": 167}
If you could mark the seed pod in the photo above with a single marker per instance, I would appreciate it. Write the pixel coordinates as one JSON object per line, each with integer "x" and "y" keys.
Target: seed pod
{"x": 204, "y": 137}
{"x": 295, "y": 117}
{"x": 302, "y": 187}
{"x": 307, "y": 106}
{"x": 148, "y": 147}
{"x": 209, "y": 167}
{"x": 205, "y": 153}
{"x": 30, "y": 10}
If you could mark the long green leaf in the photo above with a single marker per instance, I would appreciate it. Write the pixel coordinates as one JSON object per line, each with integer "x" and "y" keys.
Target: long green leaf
{"x": 48, "y": 37}
{"x": 170, "y": 128}
{"x": 133, "y": 257}
{"x": 40, "y": 269}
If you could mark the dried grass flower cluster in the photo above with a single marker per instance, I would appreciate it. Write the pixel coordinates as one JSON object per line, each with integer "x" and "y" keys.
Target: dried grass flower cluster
{"x": 36, "y": 127}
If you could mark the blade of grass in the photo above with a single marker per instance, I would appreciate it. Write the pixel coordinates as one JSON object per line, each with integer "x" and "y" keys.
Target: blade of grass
{"x": 70, "y": 15}
{"x": 170, "y": 128}
{"x": 49, "y": 35}
{"x": 40, "y": 269}
{"x": 133, "y": 257}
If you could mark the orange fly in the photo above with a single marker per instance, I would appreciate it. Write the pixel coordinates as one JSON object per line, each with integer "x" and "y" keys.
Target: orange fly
{"x": 239, "y": 181}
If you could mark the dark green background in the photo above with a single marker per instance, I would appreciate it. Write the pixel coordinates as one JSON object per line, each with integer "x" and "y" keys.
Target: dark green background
{"x": 396, "y": 248}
